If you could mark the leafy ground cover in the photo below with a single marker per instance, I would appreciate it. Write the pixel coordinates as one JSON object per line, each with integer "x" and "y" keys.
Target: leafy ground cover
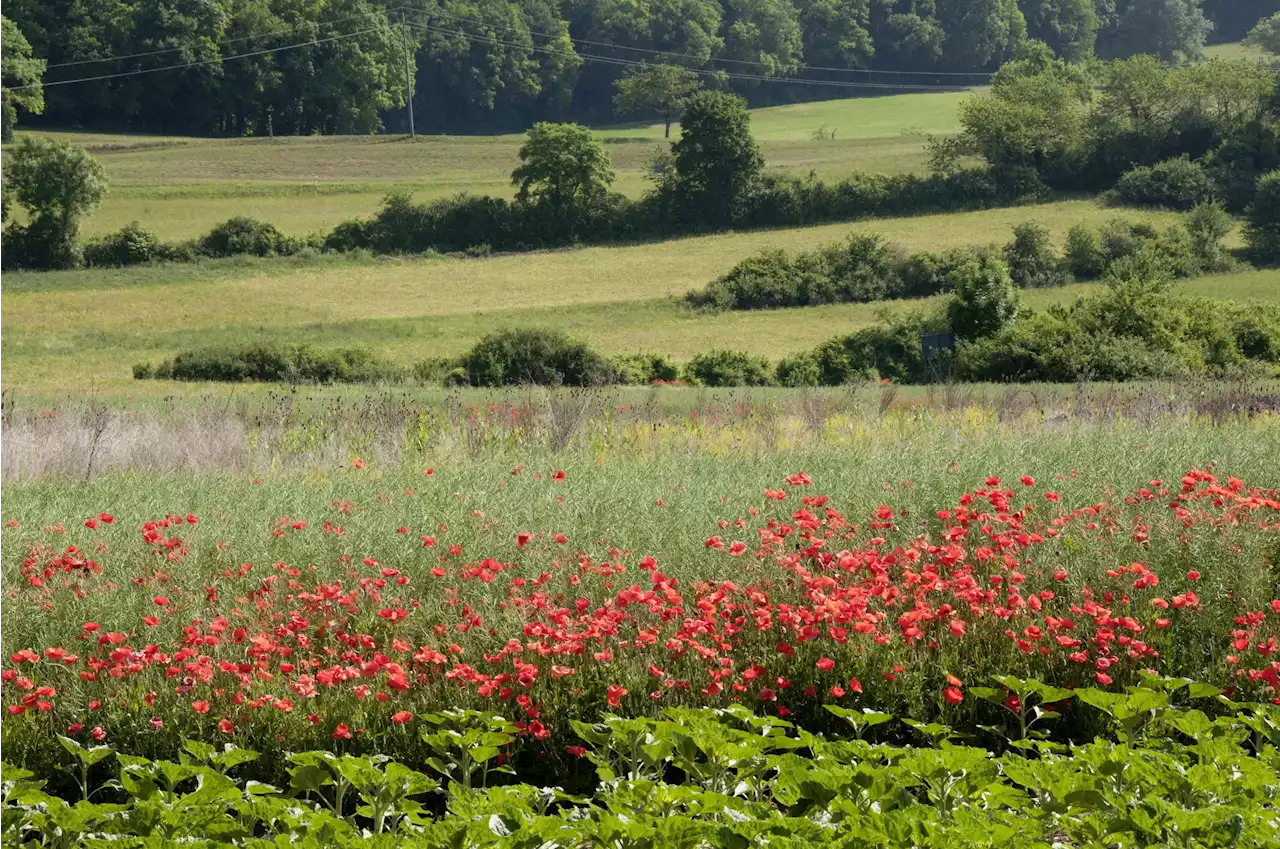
{"x": 749, "y": 779}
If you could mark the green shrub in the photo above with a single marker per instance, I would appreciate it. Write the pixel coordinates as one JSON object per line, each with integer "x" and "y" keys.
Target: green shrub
{"x": 1121, "y": 238}
{"x": 269, "y": 363}
{"x": 643, "y": 369}
{"x": 1208, "y": 224}
{"x": 729, "y": 368}
{"x": 242, "y": 235}
{"x": 1262, "y": 221}
{"x": 984, "y": 300}
{"x": 890, "y": 349}
{"x": 131, "y": 245}
{"x": 864, "y": 268}
{"x": 925, "y": 274}
{"x": 1256, "y": 328}
{"x": 348, "y": 236}
{"x": 1171, "y": 184}
{"x": 764, "y": 281}
{"x": 1083, "y": 255}
{"x": 41, "y": 245}
{"x": 798, "y": 370}
{"x": 534, "y": 356}
{"x": 1031, "y": 259}
{"x": 433, "y": 370}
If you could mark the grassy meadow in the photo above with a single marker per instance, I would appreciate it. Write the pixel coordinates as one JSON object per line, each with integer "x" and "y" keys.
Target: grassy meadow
{"x": 620, "y": 299}
{"x": 180, "y": 187}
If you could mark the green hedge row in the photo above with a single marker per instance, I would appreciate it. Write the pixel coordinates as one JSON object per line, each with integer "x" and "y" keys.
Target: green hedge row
{"x": 238, "y": 236}
{"x": 866, "y": 268}
{"x": 1134, "y": 329}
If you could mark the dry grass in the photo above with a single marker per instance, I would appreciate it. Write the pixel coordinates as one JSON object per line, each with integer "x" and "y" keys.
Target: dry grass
{"x": 322, "y": 429}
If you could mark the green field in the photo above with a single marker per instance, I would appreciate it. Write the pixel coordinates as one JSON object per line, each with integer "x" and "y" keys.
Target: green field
{"x": 76, "y": 330}
{"x": 180, "y": 187}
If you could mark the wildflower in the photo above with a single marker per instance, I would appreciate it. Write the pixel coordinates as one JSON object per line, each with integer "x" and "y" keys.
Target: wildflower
{"x": 200, "y": 706}
{"x": 826, "y": 664}
{"x": 400, "y": 717}
{"x": 615, "y": 695}
{"x": 522, "y": 539}
{"x": 576, "y": 751}
{"x": 952, "y": 695}
{"x": 98, "y": 733}
{"x": 342, "y": 732}
{"x": 226, "y": 726}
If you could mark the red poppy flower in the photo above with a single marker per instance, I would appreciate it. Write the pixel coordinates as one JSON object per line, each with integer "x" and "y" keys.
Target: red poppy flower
{"x": 400, "y": 717}
{"x": 226, "y": 726}
{"x": 952, "y": 696}
{"x": 826, "y": 664}
{"x": 522, "y": 539}
{"x": 615, "y": 695}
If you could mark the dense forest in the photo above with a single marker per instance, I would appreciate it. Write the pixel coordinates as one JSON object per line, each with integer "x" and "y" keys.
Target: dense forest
{"x": 480, "y": 65}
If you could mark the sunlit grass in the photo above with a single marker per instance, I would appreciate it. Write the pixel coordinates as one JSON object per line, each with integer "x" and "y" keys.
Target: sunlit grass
{"x": 179, "y": 187}
{"x": 618, "y": 298}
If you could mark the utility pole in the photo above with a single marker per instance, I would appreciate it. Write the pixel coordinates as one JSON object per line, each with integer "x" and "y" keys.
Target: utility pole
{"x": 408, "y": 77}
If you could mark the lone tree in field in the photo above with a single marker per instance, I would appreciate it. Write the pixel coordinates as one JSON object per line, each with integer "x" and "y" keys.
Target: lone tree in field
{"x": 18, "y": 68}
{"x": 563, "y": 166}
{"x": 656, "y": 88}
{"x": 57, "y": 184}
{"x": 716, "y": 159}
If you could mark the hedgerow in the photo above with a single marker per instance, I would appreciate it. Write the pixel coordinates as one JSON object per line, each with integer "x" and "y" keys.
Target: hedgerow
{"x": 865, "y": 268}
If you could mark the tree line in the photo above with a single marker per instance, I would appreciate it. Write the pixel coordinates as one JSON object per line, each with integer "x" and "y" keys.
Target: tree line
{"x": 505, "y": 64}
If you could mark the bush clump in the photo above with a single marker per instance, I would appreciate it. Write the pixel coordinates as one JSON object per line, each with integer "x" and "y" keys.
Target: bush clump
{"x": 889, "y": 350}
{"x": 798, "y": 370}
{"x": 270, "y": 363}
{"x": 1262, "y": 221}
{"x": 861, "y": 269}
{"x": 729, "y": 368}
{"x": 1032, "y": 261}
{"x": 534, "y": 356}
{"x": 131, "y": 245}
{"x": 984, "y": 300}
{"x": 1172, "y": 184}
{"x": 642, "y": 369}
{"x": 242, "y": 235}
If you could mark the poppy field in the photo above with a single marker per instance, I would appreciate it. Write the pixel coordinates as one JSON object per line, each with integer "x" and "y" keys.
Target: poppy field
{"x": 971, "y": 631}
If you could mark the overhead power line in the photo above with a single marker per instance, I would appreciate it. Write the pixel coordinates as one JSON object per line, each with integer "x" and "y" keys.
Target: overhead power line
{"x": 632, "y": 63}
{"x": 532, "y": 46}
{"x": 714, "y": 59}
{"x": 250, "y": 37}
{"x": 213, "y": 61}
